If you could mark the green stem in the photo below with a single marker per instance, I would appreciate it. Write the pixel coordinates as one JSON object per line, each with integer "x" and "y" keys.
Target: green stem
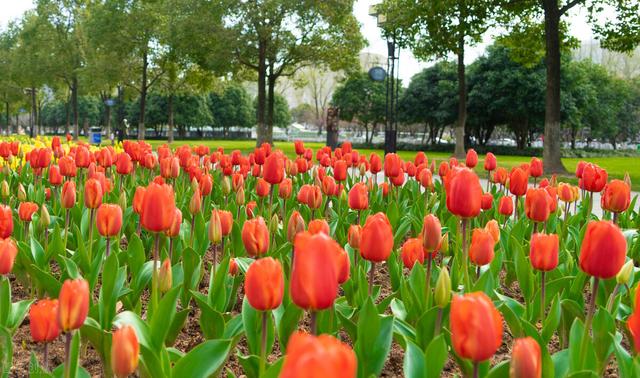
{"x": 67, "y": 354}
{"x": 542, "y": 297}
{"x": 91, "y": 220}
{"x": 589, "y": 318}
{"x": 154, "y": 277}
{"x": 612, "y": 298}
{"x": 465, "y": 257}
{"x": 263, "y": 345}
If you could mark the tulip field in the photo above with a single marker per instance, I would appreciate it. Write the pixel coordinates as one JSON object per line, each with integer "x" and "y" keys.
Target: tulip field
{"x": 193, "y": 261}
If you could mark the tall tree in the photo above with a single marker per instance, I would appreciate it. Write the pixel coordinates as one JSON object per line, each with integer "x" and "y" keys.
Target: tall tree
{"x": 619, "y": 33}
{"x": 275, "y": 38}
{"x": 435, "y": 29}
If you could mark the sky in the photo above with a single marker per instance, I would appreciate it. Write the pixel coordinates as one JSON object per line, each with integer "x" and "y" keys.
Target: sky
{"x": 409, "y": 65}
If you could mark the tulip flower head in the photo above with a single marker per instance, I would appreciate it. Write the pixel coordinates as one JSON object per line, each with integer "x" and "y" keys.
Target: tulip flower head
{"x": 125, "y": 351}
{"x": 476, "y": 326}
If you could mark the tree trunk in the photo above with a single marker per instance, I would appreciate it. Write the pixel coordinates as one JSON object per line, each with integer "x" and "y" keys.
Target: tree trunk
{"x": 170, "y": 131}
{"x": 574, "y": 131}
{"x": 121, "y": 108}
{"x": 366, "y": 133}
{"x": 271, "y": 101}
{"x": 74, "y": 106}
{"x": 462, "y": 101}
{"x": 552, "y": 143}
{"x": 143, "y": 95}
{"x": 6, "y": 114}
{"x": 262, "y": 76}
{"x": 33, "y": 111}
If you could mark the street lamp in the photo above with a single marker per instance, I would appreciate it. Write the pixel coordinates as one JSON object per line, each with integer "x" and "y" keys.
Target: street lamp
{"x": 391, "y": 104}
{"x": 32, "y": 114}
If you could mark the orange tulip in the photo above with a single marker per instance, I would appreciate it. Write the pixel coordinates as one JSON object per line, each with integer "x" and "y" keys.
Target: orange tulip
{"x": 157, "y": 208}
{"x": 233, "y": 267}
{"x": 6, "y": 222}
{"x": 385, "y": 188}
{"x": 603, "y": 250}
{"x": 285, "y": 188}
{"x": 319, "y": 225}
{"x": 567, "y": 193}
{"x": 124, "y": 166}
{"x": 55, "y": 178}
{"x": 464, "y": 193}
{"x": 633, "y": 323}
{"x": 426, "y": 178}
{"x": 500, "y": 176}
{"x": 226, "y": 221}
{"x": 92, "y": 193}
{"x": 165, "y": 276}
{"x": 431, "y": 233}
{"x": 616, "y": 196}
{"x": 26, "y": 211}
{"x": 273, "y": 169}
{"x": 412, "y": 252}
{"x": 526, "y": 361}
{"x": 313, "y": 197}
{"x": 375, "y": 163}
{"x": 195, "y": 204}
{"x": 250, "y": 209}
{"x": 68, "y": 195}
{"x": 215, "y": 227}
{"x": 109, "y": 220}
{"x": 205, "y": 184}
{"x": 73, "y": 304}
{"x": 67, "y": 166}
{"x": 295, "y": 225}
{"x": 318, "y": 357}
{"x": 43, "y": 320}
{"x": 8, "y": 253}
{"x": 482, "y": 245}
{"x": 262, "y": 187}
{"x": 359, "y": 197}
{"x": 353, "y": 236}
{"x": 472, "y": 158}
{"x": 316, "y": 268}
{"x": 543, "y": 251}
{"x": 537, "y": 204}
{"x": 124, "y": 351}
{"x": 138, "y": 199}
{"x": 518, "y": 181}
{"x": 476, "y": 326}
{"x": 494, "y": 229}
{"x": 174, "y": 230}
{"x": 264, "y": 284}
{"x": 340, "y": 170}
{"x": 376, "y": 238}
{"x": 255, "y": 237}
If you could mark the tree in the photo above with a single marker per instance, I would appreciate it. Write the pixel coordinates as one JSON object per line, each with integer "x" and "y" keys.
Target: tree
{"x": 320, "y": 84}
{"x": 505, "y": 92}
{"x": 276, "y": 38}
{"x": 362, "y": 100}
{"x": 436, "y": 29}
{"x": 281, "y": 113}
{"x": 10, "y": 91}
{"x": 619, "y": 33}
{"x": 430, "y": 99}
{"x": 233, "y": 107}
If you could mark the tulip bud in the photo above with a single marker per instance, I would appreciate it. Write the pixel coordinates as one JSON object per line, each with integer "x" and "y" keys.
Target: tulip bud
{"x": 194, "y": 184}
{"x": 8, "y": 253}
{"x": 443, "y": 289}
{"x": 215, "y": 228}
{"x": 275, "y": 222}
{"x": 295, "y": 225}
{"x": 164, "y": 277}
{"x": 45, "y": 219}
{"x": 625, "y": 273}
{"x": 124, "y": 351}
{"x": 22, "y": 194}
{"x": 343, "y": 196}
{"x": 363, "y": 169}
{"x": 444, "y": 244}
{"x": 240, "y": 197}
{"x": 73, "y": 304}
{"x": 627, "y": 179}
{"x": 233, "y": 267}
{"x": 4, "y": 189}
{"x": 195, "y": 205}
{"x": 122, "y": 201}
{"x": 226, "y": 185}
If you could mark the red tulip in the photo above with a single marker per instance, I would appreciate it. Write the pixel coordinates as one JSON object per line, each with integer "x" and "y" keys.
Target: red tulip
{"x": 43, "y": 320}
{"x": 526, "y": 361}
{"x": 205, "y": 184}
{"x": 92, "y": 193}
{"x": 67, "y": 166}
{"x": 255, "y": 237}
{"x": 476, "y": 326}
{"x": 285, "y": 188}
{"x": 603, "y": 250}
{"x": 55, "y": 178}
{"x": 518, "y": 181}
{"x": 340, "y": 170}
{"x": 359, "y": 197}
{"x": 464, "y": 194}
{"x": 490, "y": 162}
{"x": 295, "y": 225}
{"x": 73, "y": 305}
{"x": 6, "y": 222}
{"x": 392, "y": 165}
{"x": 486, "y": 201}
{"x": 262, "y": 187}
{"x": 273, "y": 170}
{"x": 174, "y": 230}
{"x": 375, "y": 163}
{"x": 493, "y": 228}
{"x": 537, "y": 204}
{"x": 124, "y": 166}
{"x": 472, "y": 158}
{"x": 26, "y": 211}
{"x": 431, "y": 233}
{"x": 264, "y": 284}
{"x": 535, "y": 168}
{"x": 594, "y": 178}
{"x": 319, "y": 225}
{"x": 318, "y": 357}
{"x": 376, "y": 238}
{"x": 543, "y": 251}
{"x": 125, "y": 351}
{"x": 353, "y": 236}
{"x": 633, "y": 323}
{"x": 109, "y": 220}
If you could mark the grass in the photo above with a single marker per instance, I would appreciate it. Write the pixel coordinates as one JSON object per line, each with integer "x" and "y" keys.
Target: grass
{"x": 615, "y": 166}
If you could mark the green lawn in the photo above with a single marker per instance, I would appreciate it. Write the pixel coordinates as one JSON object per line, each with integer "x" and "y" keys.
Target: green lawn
{"x": 615, "y": 166}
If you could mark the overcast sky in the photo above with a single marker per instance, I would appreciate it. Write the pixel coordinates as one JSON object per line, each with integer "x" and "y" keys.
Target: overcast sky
{"x": 13, "y": 9}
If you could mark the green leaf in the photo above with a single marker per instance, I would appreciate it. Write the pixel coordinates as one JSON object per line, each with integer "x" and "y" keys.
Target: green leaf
{"x": 252, "y": 321}
{"x": 437, "y": 355}
{"x": 415, "y": 363}
{"x": 374, "y": 340}
{"x": 203, "y": 360}
{"x": 6, "y": 350}
{"x": 163, "y": 317}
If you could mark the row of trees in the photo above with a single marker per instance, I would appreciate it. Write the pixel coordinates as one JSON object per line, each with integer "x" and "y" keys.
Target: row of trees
{"x": 119, "y": 49}
{"x": 501, "y": 92}
{"x": 231, "y": 107}
{"x": 436, "y": 29}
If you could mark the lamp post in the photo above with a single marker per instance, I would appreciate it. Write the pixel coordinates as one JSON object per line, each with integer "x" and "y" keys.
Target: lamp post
{"x": 391, "y": 103}
{"x": 32, "y": 114}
